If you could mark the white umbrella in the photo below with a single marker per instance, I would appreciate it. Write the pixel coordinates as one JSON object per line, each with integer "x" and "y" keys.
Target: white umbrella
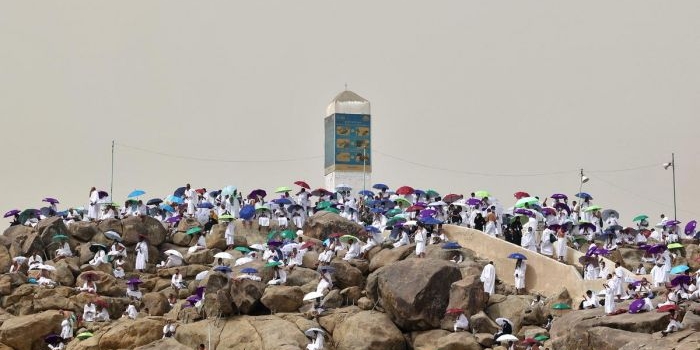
{"x": 507, "y": 337}
{"x": 114, "y": 252}
{"x": 437, "y": 204}
{"x": 200, "y": 276}
{"x": 257, "y": 246}
{"x": 174, "y": 252}
{"x": 410, "y": 223}
{"x": 20, "y": 259}
{"x": 311, "y": 332}
{"x": 501, "y": 320}
{"x": 223, "y": 255}
{"x": 289, "y": 247}
{"x": 113, "y": 235}
{"x": 312, "y": 296}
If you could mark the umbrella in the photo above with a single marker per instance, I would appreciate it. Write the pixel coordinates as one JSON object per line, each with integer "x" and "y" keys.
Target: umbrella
{"x": 179, "y": 192}
{"x": 548, "y": 211}
{"x": 674, "y": 246}
{"x": 482, "y": 194}
{"x": 102, "y": 194}
{"x": 136, "y": 193}
{"x": 347, "y": 237}
{"x": 473, "y": 201}
{"x": 228, "y": 190}
{"x": 681, "y": 279}
{"x": 371, "y": 229}
{"x": 53, "y": 339}
{"x": 311, "y": 332}
{"x": 561, "y": 306}
{"x": 336, "y": 235}
{"x": 451, "y": 198}
{"x": 451, "y": 245}
{"x": 366, "y": 193}
{"x": 84, "y": 335}
{"x": 579, "y": 238}
{"x": 50, "y": 200}
{"x": 96, "y": 246}
{"x": 19, "y": 259}
{"x": 562, "y": 206}
{"x": 392, "y": 212}
{"x": 667, "y": 308}
{"x": 640, "y": 217}
{"x": 274, "y": 243}
{"x": 600, "y": 251}
{"x": 257, "y": 193}
{"x": 431, "y": 194}
{"x": 282, "y": 201}
{"x": 154, "y": 201}
{"x": 402, "y": 201}
{"x": 343, "y": 188}
{"x": 282, "y": 189}
{"x": 224, "y": 269}
{"x": 273, "y": 263}
{"x": 454, "y": 311}
{"x": 46, "y": 267}
{"x": 380, "y": 187}
{"x": 205, "y": 205}
{"x": 586, "y": 225}
{"x": 302, "y": 184}
{"x": 607, "y": 213}
{"x": 437, "y": 204}
{"x": 559, "y": 196}
{"x": 679, "y": 269}
{"x": 257, "y": 246}
{"x": 249, "y": 270}
{"x": 413, "y": 208}
{"x": 173, "y": 219}
{"x": 226, "y": 217}
{"x": 12, "y": 212}
{"x": 240, "y": 249}
{"x": 320, "y": 192}
{"x": 672, "y": 223}
{"x": 312, "y": 296}
{"x": 529, "y": 341}
{"x": 593, "y": 208}
{"x": 307, "y": 245}
{"x": 194, "y": 230}
{"x": 247, "y": 212}
{"x": 430, "y": 221}
{"x": 690, "y": 227}
{"x": 223, "y": 255}
{"x": 507, "y": 337}
{"x": 173, "y": 252}
{"x": 541, "y": 337}
{"x": 517, "y": 256}
{"x": 175, "y": 200}
{"x": 405, "y": 190}
{"x": 658, "y": 248}
{"x": 587, "y": 260}
{"x": 113, "y": 236}
{"x": 134, "y": 280}
{"x": 410, "y": 223}
{"x": 60, "y": 237}
{"x": 584, "y": 195}
{"x": 427, "y": 213}
{"x": 521, "y": 194}
{"x": 326, "y": 268}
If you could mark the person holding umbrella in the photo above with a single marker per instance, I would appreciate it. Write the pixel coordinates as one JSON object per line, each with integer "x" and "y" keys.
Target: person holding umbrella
{"x": 317, "y": 336}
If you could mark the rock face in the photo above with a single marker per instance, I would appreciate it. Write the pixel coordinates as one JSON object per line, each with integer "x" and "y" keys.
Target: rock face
{"x": 164, "y": 344}
{"x": 385, "y": 335}
{"x": 415, "y": 292}
{"x": 151, "y": 228}
{"x": 127, "y": 333}
{"x": 27, "y": 332}
{"x": 346, "y": 275}
{"x": 512, "y": 307}
{"x": 468, "y": 294}
{"x": 324, "y": 223}
{"x": 246, "y": 295}
{"x": 282, "y": 298}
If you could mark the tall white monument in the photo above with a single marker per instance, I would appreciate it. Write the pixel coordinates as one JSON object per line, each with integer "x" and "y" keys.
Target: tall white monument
{"x": 348, "y": 146}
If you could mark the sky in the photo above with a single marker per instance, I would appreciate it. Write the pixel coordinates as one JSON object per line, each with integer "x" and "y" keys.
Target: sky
{"x": 501, "y": 96}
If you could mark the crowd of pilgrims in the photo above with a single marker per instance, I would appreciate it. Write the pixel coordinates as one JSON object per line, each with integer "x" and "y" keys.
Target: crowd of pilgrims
{"x": 547, "y": 226}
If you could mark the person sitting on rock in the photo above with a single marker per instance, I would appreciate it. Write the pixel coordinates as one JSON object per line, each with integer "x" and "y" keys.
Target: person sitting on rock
{"x": 176, "y": 281}
{"x": 45, "y": 279}
{"x": 89, "y": 312}
{"x": 404, "y": 240}
{"x": 246, "y": 259}
{"x": 461, "y": 323}
{"x": 590, "y": 301}
{"x": 457, "y": 258}
{"x": 169, "y": 329}
{"x": 63, "y": 252}
{"x": 200, "y": 244}
{"x": 117, "y": 249}
{"x": 353, "y": 251}
{"x": 295, "y": 258}
{"x": 171, "y": 261}
{"x": 548, "y": 325}
{"x": 89, "y": 285}
{"x": 673, "y": 324}
{"x": 132, "y": 291}
{"x": 172, "y": 300}
{"x": 280, "y": 276}
{"x": 317, "y": 342}
{"x": 35, "y": 260}
{"x": 118, "y": 269}
{"x": 15, "y": 267}
{"x": 326, "y": 256}
{"x": 131, "y": 311}
{"x": 103, "y": 316}
{"x": 99, "y": 258}
{"x": 506, "y": 328}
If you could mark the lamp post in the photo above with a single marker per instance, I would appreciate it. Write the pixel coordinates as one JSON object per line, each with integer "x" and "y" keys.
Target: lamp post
{"x": 672, "y": 165}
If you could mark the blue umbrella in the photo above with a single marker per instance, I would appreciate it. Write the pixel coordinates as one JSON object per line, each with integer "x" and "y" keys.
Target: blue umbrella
{"x": 215, "y": 193}
{"x": 205, "y": 205}
{"x": 679, "y": 269}
{"x": 167, "y": 208}
{"x": 372, "y": 202}
{"x": 584, "y": 195}
{"x": 136, "y": 193}
{"x": 430, "y": 221}
{"x": 367, "y": 193}
{"x": 380, "y": 187}
{"x": 372, "y": 229}
{"x": 249, "y": 270}
{"x": 517, "y": 256}
{"x": 224, "y": 269}
{"x": 327, "y": 268}
{"x": 180, "y": 192}
{"x": 451, "y": 245}
{"x": 376, "y": 210}
{"x": 228, "y": 190}
{"x": 418, "y": 192}
{"x": 154, "y": 201}
{"x": 282, "y": 201}
{"x": 247, "y": 212}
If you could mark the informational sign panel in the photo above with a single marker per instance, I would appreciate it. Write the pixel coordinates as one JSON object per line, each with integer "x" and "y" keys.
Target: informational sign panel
{"x": 348, "y": 143}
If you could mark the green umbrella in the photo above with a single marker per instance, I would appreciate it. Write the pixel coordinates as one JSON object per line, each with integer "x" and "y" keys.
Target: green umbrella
{"x": 60, "y": 237}
{"x": 332, "y": 210}
{"x": 402, "y": 201}
{"x": 84, "y": 335}
{"x": 541, "y": 337}
{"x": 323, "y": 205}
{"x": 674, "y": 246}
{"x": 347, "y": 237}
{"x": 431, "y": 193}
{"x": 593, "y": 208}
{"x": 194, "y": 230}
{"x": 395, "y": 220}
{"x": 261, "y": 208}
{"x": 482, "y": 194}
{"x": 272, "y": 234}
{"x": 561, "y": 306}
{"x": 640, "y": 217}
{"x": 288, "y": 234}
{"x": 273, "y": 263}
{"x": 526, "y": 201}
{"x": 392, "y": 212}
{"x": 226, "y": 217}
{"x": 579, "y": 239}
{"x": 242, "y": 249}
{"x": 283, "y": 189}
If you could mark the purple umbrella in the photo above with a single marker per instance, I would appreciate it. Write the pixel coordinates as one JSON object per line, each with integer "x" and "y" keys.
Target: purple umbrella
{"x": 522, "y": 211}
{"x": 636, "y": 306}
{"x": 690, "y": 227}
{"x": 682, "y": 279}
{"x": 200, "y": 291}
{"x": 553, "y": 227}
{"x": 12, "y": 212}
{"x": 643, "y": 246}
{"x": 173, "y": 219}
{"x": 257, "y": 193}
{"x": 655, "y": 249}
{"x": 559, "y": 196}
{"x": 427, "y": 213}
{"x": 548, "y": 211}
{"x": 562, "y": 206}
{"x": 421, "y": 204}
{"x": 601, "y": 251}
{"x": 672, "y": 223}
{"x": 193, "y": 299}
{"x": 102, "y": 194}
{"x": 274, "y": 243}
{"x": 586, "y": 225}
{"x": 134, "y": 280}
{"x": 50, "y": 200}
{"x": 473, "y": 201}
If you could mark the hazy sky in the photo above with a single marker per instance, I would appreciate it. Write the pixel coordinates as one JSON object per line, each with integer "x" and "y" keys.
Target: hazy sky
{"x": 489, "y": 87}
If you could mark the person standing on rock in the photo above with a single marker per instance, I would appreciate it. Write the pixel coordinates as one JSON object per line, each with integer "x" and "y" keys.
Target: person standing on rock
{"x": 228, "y": 234}
{"x": 66, "y": 326}
{"x": 421, "y": 238}
{"x": 191, "y": 197}
{"x": 141, "y": 254}
{"x": 609, "y": 295}
{"x": 519, "y": 274}
{"x": 94, "y": 206}
{"x": 488, "y": 277}
{"x": 561, "y": 244}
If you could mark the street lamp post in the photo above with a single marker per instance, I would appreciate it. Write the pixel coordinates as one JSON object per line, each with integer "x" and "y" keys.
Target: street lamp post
{"x": 672, "y": 165}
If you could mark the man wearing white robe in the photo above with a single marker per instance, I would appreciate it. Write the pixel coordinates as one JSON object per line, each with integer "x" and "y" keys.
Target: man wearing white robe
{"x": 94, "y": 205}
{"x": 141, "y": 254}
{"x": 488, "y": 277}
{"x": 89, "y": 312}
{"x": 462, "y": 322}
{"x": 404, "y": 240}
{"x": 528, "y": 240}
{"x": 659, "y": 276}
{"x": 325, "y": 257}
{"x": 354, "y": 250}
{"x": 191, "y": 197}
{"x": 280, "y": 277}
{"x": 317, "y": 343}
{"x": 131, "y": 311}
{"x": 519, "y": 274}
{"x": 620, "y": 277}
{"x": 609, "y": 296}
{"x": 228, "y": 234}
{"x": 421, "y": 238}
{"x": 590, "y": 300}
{"x": 176, "y": 280}
{"x": 98, "y": 259}
{"x": 546, "y": 247}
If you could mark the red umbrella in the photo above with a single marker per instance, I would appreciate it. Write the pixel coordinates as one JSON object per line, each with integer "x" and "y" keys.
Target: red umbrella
{"x": 200, "y": 190}
{"x": 302, "y": 184}
{"x": 454, "y": 311}
{"x": 405, "y": 190}
{"x": 667, "y": 308}
{"x": 521, "y": 194}
{"x": 414, "y": 208}
{"x": 101, "y": 303}
{"x": 529, "y": 341}
{"x": 335, "y": 235}
{"x": 307, "y": 245}
{"x": 452, "y": 198}
{"x": 319, "y": 192}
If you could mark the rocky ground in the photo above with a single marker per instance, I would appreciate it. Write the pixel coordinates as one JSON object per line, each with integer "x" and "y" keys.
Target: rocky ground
{"x": 390, "y": 301}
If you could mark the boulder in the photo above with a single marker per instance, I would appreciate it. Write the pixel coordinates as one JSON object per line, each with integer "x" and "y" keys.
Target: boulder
{"x": 5, "y": 259}
{"x": 512, "y": 307}
{"x": 49, "y": 227}
{"x": 215, "y": 238}
{"x": 368, "y": 330}
{"x": 182, "y": 239}
{"x": 27, "y": 332}
{"x": 389, "y": 256}
{"x": 215, "y": 281}
{"x": 351, "y": 295}
{"x": 20, "y": 302}
{"x": 163, "y": 344}
{"x": 346, "y": 275}
{"x": 156, "y": 303}
{"x": 111, "y": 225}
{"x": 107, "y": 284}
{"x": 187, "y": 223}
{"x": 200, "y": 257}
{"x": 83, "y": 231}
{"x": 135, "y": 226}
{"x": 481, "y": 323}
{"x": 333, "y": 299}
{"x": 468, "y": 294}
{"x": 365, "y": 303}
{"x": 218, "y": 304}
{"x": 301, "y": 276}
{"x": 427, "y": 340}
{"x": 246, "y": 295}
{"x": 282, "y": 298}
{"x": 126, "y": 333}
{"x": 415, "y": 292}
{"x": 64, "y": 272}
{"x": 484, "y": 339}
{"x": 323, "y": 223}
{"x": 458, "y": 341}
{"x": 195, "y": 333}
{"x": 53, "y": 299}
